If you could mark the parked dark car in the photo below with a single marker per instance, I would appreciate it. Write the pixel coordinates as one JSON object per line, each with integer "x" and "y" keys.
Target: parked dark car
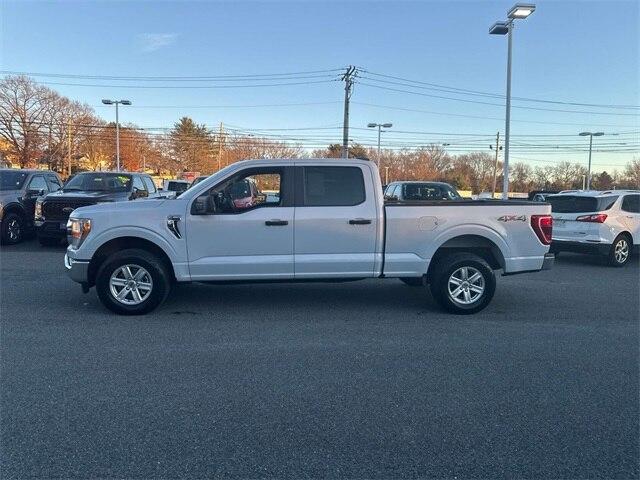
{"x": 87, "y": 188}
{"x": 19, "y": 190}
{"x": 420, "y": 191}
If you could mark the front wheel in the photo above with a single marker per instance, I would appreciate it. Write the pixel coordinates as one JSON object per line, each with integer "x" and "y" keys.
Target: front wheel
{"x": 463, "y": 283}
{"x": 132, "y": 282}
{"x": 620, "y": 251}
{"x": 12, "y": 229}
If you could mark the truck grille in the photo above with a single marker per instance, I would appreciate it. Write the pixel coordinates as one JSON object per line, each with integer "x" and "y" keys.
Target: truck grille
{"x": 60, "y": 210}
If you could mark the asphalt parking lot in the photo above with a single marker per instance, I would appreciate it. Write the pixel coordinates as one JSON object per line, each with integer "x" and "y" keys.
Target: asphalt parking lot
{"x": 360, "y": 380}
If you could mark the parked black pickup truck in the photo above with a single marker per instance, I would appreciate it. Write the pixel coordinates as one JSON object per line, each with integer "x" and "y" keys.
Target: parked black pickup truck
{"x": 19, "y": 190}
{"x": 87, "y": 188}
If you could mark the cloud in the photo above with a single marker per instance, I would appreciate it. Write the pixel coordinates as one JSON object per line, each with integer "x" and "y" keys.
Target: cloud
{"x": 150, "y": 42}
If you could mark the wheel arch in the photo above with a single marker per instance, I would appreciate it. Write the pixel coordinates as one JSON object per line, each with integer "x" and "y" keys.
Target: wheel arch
{"x": 14, "y": 207}
{"x": 126, "y": 242}
{"x": 477, "y": 244}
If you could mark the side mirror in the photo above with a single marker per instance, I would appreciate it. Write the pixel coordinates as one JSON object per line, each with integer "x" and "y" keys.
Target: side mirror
{"x": 203, "y": 205}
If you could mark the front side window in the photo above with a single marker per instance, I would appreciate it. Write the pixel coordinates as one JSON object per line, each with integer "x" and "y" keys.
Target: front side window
{"x": 37, "y": 183}
{"x": 99, "y": 182}
{"x": 333, "y": 186}
{"x": 631, "y": 203}
{"x": 151, "y": 188}
{"x": 245, "y": 192}
{"x": 54, "y": 183}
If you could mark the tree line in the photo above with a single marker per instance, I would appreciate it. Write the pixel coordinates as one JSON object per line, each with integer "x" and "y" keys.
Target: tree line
{"x": 40, "y": 127}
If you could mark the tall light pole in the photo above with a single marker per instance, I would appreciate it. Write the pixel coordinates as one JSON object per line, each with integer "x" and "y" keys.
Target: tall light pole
{"x": 379, "y": 126}
{"x": 518, "y": 11}
{"x": 116, "y": 103}
{"x": 590, "y": 135}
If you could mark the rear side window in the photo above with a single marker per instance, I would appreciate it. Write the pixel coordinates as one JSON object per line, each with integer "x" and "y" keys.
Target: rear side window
{"x": 631, "y": 203}
{"x": 579, "y": 204}
{"x": 333, "y": 186}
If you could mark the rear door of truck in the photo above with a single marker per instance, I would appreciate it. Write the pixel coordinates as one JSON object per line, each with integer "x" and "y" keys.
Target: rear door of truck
{"x": 336, "y": 222}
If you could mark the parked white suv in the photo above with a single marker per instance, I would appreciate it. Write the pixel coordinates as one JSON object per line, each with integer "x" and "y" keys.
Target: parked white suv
{"x": 600, "y": 222}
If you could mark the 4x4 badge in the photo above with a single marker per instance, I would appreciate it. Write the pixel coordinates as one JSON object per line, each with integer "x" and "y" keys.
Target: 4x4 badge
{"x": 512, "y": 218}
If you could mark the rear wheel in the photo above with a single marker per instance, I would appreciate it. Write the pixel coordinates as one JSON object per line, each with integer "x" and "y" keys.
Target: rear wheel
{"x": 620, "y": 251}
{"x": 12, "y": 229}
{"x": 132, "y": 282}
{"x": 412, "y": 281}
{"x": 463, "y": 283}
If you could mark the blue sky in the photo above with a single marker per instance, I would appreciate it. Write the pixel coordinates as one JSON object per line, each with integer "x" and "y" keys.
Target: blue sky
{"x": 584, "y": 52}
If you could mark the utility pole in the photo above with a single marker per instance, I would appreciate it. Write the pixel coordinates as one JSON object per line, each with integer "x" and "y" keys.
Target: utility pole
{"x": 220, "y": 136}
{"x": 348, "y": 85}
{"x": 69, "y": 145}
{"x": 495, "y": 166}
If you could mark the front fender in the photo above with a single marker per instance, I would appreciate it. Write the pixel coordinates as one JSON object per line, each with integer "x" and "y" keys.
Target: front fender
{"x": 175, "y": 253}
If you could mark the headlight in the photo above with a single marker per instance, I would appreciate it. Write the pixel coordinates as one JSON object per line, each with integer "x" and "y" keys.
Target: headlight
{"x": 38, "y": 214}
{"x": 77, "y": 231}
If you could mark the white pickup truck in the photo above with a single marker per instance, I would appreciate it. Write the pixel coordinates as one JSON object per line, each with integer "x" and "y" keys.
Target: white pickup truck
{"x": 302, "y": 220}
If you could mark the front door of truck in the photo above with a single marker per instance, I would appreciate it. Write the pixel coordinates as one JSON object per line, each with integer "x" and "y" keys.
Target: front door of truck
{"x": 242, "y": 228}
{"x": 336, "y": 223}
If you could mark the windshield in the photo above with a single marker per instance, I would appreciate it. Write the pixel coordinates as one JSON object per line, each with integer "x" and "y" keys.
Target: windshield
{"x": 579, "y": 204}
{"x": 429, "y": 191}
{"x": 12, "y": 180}
{"x": 99, "y": 182}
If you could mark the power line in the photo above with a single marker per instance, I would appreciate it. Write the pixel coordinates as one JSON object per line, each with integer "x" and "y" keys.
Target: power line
{"x": 170, "y": 78}
{"x": 489, "y": 103}
{"x": 463, "y": 91}
{"x": 182, "y": 87}
{"x": 482, "y": 117}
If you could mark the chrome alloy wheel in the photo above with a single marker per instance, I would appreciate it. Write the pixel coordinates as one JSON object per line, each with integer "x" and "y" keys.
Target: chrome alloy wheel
{"x": 621, "y": 250}
{"x": 13, "y": 230}
{"x": 466, "y": 285}
{"x": 130, "y": 284}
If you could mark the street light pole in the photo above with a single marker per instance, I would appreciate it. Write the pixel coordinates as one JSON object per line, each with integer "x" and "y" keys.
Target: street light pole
{"x": 590, "y": 135}
{"x": 518, "y": 11}
{"x": 379, "y": 126}
{"x": 117, "y": 103}
{"x": 507, "y": 122}
{"x": 117, "y": 140}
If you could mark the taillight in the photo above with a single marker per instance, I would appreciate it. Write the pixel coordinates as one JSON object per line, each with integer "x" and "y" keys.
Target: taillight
{"x": 543, "y": 226}
{"x": 598, "y": 218}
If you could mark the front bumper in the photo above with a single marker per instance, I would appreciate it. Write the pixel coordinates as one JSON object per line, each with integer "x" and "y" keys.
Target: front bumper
{"x": 51, "y": 229}
{"x": 78, "y": 270}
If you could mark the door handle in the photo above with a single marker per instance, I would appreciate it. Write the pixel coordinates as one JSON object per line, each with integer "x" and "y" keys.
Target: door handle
{"x": 359, "y": 221}
{"x": 276, "y": 223}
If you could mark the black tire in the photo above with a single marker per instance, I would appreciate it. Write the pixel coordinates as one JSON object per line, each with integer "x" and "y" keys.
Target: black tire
{"x": 49, "y": 241}
{"x": 160, "y": 281}
{"x": 12, "y": 229}
{"x": 412, "y": 281}
{"x": 617, "y": 256}
{"x": 453, "y": 263}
